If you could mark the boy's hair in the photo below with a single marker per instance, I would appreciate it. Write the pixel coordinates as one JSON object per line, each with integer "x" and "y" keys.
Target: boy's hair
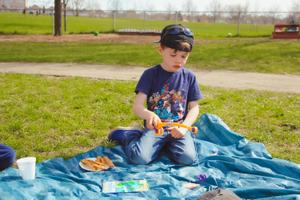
{"x": 177, "y": 37}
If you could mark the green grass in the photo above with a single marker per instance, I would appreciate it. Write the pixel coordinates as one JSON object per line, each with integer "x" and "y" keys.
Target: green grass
{"x": 50, "y": 117}
{"x": 16, "y": 23}
{"x": 254, "y": 55}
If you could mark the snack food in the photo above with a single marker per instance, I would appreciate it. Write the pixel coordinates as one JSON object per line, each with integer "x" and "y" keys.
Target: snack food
{"x": 96, "y": 164}
{"x": 105, "y": 160}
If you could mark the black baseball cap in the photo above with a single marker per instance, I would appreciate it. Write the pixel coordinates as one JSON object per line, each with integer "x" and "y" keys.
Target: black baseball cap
{"x": 174, "y": 35}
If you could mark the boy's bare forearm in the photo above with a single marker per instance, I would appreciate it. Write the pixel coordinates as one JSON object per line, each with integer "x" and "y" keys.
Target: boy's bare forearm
{"x": 192, "y": 115}
{"x": 141, "y": 111}
{"x": 138, "y": 106}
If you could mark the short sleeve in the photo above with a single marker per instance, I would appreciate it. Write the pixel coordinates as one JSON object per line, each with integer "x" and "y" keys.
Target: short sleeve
{"x": 194, "y": 92}
{"x": 144, "y": 84}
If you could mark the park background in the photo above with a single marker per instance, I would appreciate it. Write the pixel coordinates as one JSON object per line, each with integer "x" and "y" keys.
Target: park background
{"x": 47, "y": 117}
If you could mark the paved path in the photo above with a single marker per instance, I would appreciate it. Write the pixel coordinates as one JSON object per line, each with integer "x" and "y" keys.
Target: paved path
{"x": 226, "y": 79}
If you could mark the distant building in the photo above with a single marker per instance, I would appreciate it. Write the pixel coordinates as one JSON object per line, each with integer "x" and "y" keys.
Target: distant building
{"x": 35, "y": 7}
{"x": 13, "y": 4}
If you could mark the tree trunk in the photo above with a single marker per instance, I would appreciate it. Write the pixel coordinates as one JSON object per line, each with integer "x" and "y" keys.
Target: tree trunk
{"x": 57, "y": 18}
{"x": 25, "y": 7}
{"x": 238, "y": 24}
{"x": 65, "y": 15}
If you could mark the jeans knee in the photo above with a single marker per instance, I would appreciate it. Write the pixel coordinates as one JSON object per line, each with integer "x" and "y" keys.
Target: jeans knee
{"x": 141, "y": 159}
{"x": 187, "y": 158}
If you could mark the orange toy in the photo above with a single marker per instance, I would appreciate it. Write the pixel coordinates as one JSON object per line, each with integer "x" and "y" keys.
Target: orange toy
{"x": 160, "y": 126}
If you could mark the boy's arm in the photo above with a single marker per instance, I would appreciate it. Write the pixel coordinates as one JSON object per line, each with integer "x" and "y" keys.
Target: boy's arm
{"x": 189, "y": 120}
{"x": 192, "y": 114}
{"x": 139, "y": 109}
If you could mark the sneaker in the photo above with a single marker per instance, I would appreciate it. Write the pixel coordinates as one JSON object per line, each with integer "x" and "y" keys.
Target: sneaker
{"x": 123, "y": 135}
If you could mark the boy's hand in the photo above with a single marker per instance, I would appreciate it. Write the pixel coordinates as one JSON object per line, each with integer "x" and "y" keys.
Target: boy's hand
{"x": 177, "y": 132}
{"x": 152, "y": 120}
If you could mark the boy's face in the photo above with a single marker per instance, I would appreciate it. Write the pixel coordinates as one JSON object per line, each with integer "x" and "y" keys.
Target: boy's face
{"x": 173, "y": 59}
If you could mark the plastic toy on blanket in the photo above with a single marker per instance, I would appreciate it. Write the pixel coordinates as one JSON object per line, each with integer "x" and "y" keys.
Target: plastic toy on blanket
{"x": 159, "y": 128}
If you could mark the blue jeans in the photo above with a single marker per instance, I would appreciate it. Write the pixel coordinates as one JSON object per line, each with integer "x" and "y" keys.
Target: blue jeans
{"x": 7, "y": 156}
{"x": 146, "y": 148}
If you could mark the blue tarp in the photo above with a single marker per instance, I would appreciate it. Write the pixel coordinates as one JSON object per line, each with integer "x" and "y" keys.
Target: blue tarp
{"x": 227, "y": 159}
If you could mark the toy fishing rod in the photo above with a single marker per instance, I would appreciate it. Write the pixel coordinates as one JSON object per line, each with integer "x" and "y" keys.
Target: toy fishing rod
{"x": 161, "y": 125}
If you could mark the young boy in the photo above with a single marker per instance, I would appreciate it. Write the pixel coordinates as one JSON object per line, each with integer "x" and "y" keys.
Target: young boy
{"x": 171, "y": 93}
{"x": 7, "y": 156}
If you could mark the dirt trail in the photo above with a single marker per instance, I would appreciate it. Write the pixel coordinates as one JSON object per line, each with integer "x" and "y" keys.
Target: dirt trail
{"x": 113, "y": 38}
{"x": 225, "y": 79}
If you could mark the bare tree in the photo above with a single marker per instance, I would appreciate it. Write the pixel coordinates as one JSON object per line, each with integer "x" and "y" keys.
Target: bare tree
{"x": 189, "y": 8}
{"x": 179, "y": 16}
{"x": 77, "y": 5}
{"x": 238, "y": 12}
{"x": 57, "y": 18}
{"x": 65, "y": 3}
{"x": 294, "y": 13}
{"x": 148, "y": 6}
{"x": 92, "y": 4}
{"x": 274, "y": 12}
{"x": 25, "y": 6}
{"x": 115, "y": 5}
{"x": 215, "y": 8}
{"x": 170, "y": 10}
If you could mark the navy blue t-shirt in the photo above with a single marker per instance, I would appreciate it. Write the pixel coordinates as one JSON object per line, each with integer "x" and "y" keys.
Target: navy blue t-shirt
{"x": 168, "y": 93}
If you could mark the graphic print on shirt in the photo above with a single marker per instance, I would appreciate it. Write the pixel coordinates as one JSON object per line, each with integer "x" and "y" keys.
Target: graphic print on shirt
{"x": 168, "y": 104}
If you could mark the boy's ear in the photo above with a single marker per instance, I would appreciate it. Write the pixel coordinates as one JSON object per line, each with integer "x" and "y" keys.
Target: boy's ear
{"x": 159, "y": 49}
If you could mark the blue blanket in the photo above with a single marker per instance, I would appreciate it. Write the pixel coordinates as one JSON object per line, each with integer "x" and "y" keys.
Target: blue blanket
{"x": 225, "y": 157}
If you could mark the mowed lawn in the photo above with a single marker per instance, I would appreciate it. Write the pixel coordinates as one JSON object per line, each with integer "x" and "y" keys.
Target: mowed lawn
{"x": 17, "y": 23}
{"x": 51, "y": 117}
{"x": 252, "y": 55}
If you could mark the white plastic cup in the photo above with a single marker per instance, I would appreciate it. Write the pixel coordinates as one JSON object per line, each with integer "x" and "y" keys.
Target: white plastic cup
{"x": 26, "y": 167}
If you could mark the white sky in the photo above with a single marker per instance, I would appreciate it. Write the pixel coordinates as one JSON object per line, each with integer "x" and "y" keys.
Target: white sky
{"x": 180, "y": 5}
